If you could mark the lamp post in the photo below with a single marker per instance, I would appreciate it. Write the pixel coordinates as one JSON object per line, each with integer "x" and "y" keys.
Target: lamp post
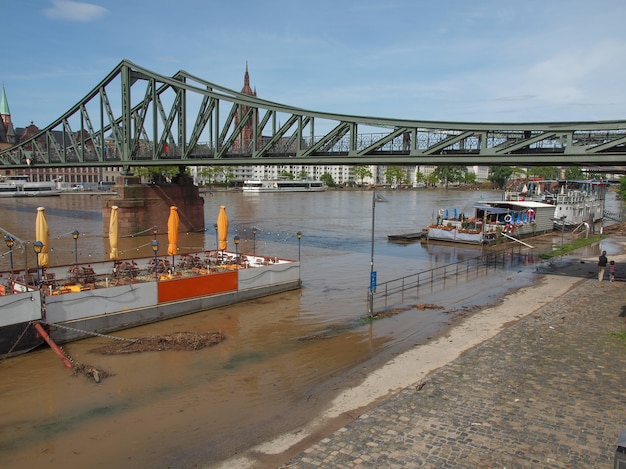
{"x": 75, "y": 235}
{"x": 562, "y": 228}
{"x": 155, "y": 249}
{"x": 372, "y": 288}
{"x": 9, "y": 242}
{"x": 37, "y": 247}
{"x": 155, "y": 230}
{"x": 236, "y": 239}
{"x": 217, "y": 242}
{"x": 299, "y": 235}
{"x": 254, "y": 230}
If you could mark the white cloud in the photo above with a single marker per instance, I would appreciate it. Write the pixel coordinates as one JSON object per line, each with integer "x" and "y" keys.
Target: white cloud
{"x": 74, "y": 11}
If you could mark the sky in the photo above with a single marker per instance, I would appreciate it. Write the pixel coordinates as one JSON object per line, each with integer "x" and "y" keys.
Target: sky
{"x": 506, "y": 61}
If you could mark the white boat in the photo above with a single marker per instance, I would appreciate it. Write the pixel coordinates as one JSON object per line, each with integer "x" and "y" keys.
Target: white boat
{"x": 21, "y": 186}
{"x": 77, "y": 301}
{"x": 575, "y": 202}
{"x": 283, "y": 185}
{"x": 492, "y": 221}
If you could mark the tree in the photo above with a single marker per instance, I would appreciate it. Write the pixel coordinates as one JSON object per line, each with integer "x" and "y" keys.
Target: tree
{"x": 303, "y": 175}
{"x": 419, "y": 177}
{"x": 394, "y": 174}
{"x": 158, "y": 174}
{"x": 361, "y": 172}
{"x": 470, "y": 178}
{"x": 286, "y": 174}
{"x": 327, "y": 179}
{"x": 621, "y": 190}
{"x": 499, "y": 175}
{"x": 545, "y": 172}
{"x": 449, "y": 174}
{"x": 432, "y": 179}
{"x": 574, "y": 172}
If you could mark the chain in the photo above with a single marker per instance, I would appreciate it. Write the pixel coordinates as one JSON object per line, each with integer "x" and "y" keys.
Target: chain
{"x": 93, "y": 333}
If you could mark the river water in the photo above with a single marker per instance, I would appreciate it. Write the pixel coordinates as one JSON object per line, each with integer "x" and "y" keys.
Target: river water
{"x": 284, "y": 356}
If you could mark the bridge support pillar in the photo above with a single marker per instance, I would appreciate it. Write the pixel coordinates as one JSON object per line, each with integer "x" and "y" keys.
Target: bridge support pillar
{"x": 143, "y": 206}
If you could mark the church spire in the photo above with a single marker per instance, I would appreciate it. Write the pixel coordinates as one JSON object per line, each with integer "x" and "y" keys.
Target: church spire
{"x": 246, "y": 83}
{"x": 4, "y": 104}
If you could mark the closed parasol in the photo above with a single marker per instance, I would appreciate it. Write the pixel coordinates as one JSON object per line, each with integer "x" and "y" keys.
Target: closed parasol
{"x": 42, "y": 234}
{"x": 173, "y": 223}
{"x": 113, "y": 234}
{"x": 222, "y": 228}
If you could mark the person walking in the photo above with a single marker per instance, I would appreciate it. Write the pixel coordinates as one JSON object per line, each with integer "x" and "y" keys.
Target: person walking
{"x": 612, "y": 270}
{"x": 602, "y": 262}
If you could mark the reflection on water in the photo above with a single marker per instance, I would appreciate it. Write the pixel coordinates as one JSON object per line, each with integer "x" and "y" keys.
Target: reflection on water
{"x": 284, "y": 356}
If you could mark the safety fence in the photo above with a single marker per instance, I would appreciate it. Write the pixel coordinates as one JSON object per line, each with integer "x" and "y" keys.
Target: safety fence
{"x": 401, "y": 290}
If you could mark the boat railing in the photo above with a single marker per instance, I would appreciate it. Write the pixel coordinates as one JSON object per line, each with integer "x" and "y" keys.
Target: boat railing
{"x": 74, "y": 278}
{"x": 407, "y": 289}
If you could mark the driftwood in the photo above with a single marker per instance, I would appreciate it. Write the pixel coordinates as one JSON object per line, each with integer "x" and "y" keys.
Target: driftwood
{"x": 179, "y": 341}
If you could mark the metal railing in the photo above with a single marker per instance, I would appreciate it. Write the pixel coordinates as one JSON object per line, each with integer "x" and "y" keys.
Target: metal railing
{"x": 398, "y": 291}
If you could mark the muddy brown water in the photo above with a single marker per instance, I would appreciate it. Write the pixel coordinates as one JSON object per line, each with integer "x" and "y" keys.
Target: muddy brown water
{"x": 285, "y": 356}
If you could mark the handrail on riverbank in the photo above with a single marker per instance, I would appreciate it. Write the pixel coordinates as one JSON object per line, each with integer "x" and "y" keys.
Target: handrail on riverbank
{"x": 402, "y": 286}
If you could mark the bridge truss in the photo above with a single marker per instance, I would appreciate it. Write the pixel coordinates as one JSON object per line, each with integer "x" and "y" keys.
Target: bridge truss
{"x": 135, "y": 117}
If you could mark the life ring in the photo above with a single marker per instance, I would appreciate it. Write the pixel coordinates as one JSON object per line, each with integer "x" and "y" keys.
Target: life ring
{"x": 531, "y": 214}
{"x": 441, "y": 212}
{"x": 508, "y": 218}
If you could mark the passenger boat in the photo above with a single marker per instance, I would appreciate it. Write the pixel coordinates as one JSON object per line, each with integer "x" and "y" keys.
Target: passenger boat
{"x": 77, "y": 301}
{"x": 575, "y": 202}
{"x": 283, "y": 185}
{"x": 492, "y": 221}
{"x": 21, "y": 186}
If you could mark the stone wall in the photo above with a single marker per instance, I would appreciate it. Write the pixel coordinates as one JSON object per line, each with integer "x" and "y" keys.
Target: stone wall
{"x": 142, "y": 206}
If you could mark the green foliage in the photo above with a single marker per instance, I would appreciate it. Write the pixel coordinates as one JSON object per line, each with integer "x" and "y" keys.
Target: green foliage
{"x": 394, "y": 175}
{"x": 574, "y": 172}
{"x": 499, "y": 175}
{"x": 361, "y": 172}
{"x": 572, "y": 246}
{"x": 449, "y": 174}
{"x": 159, "y": 174}
{"x": 545, "y": 172}
{"x": 621, "y": 189}
{"x": 287, "y": 174}
{"x": 303, "y": 174}
{"x": 327, "y": 179}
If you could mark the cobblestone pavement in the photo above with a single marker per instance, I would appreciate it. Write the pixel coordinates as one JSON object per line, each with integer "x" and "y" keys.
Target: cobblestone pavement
{"x": 546, "y": 392}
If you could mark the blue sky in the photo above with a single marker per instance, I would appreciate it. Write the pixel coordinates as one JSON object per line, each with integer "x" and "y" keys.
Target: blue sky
{"x": 456, "y": 60}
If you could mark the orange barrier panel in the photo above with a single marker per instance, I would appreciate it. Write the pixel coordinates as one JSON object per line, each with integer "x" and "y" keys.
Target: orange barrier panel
{"x": 202, "y": 285}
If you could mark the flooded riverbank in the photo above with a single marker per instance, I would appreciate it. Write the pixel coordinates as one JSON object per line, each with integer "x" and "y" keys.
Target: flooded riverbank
{"x": 284, "y": 356}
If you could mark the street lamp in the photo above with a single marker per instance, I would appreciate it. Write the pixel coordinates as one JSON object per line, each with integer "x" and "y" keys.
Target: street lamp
{"x": 75, "y": 235}
{"x": 254, "y": 230}
{"x": 37, "y": 247}
{"x": 236, "y": 239}
{"x": 217, "y": 243}
{"x": 9, "y": 242}
{"x": 372, "y": 288}
{"x": 155, "y": 230}
{"x": 155, "y": 249}
{"x": 299, "y": 235}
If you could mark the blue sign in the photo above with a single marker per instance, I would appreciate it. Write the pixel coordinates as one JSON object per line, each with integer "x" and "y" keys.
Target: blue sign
{"x": 373, "y": 281}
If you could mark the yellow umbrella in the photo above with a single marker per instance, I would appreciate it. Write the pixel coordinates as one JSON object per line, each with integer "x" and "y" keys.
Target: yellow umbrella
{"x": 113, "y": 233}
{"x": 172, "y": 231}
{"x": 42, "y": 233}
{"x": 222, "y": 228}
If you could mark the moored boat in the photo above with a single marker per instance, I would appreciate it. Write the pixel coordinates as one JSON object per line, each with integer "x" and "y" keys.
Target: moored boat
{"x": 21, "y": 186}
{"x": 283, "y": 185}
{"x": 77, "y": 301}
{"x": 493, "y": 220}
{"x": 575, "y": 202}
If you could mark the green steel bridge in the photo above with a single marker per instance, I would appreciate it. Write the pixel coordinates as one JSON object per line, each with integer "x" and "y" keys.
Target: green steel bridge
{"x": 136, "y": 117}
